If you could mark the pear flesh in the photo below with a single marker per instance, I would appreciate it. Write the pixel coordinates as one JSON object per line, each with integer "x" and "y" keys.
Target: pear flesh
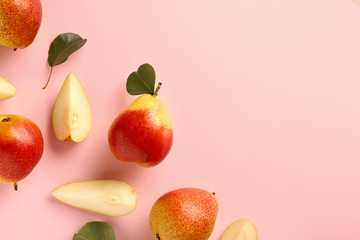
{"x": 108, "y": 197}
{"x": 7, "y": 90}
{"x": 72, "y": 117}
{"x": 241, "y": 229}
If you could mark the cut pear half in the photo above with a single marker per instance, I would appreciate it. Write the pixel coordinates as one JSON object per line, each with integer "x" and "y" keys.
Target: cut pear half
{"x": 7, "y": 90}
{"x": 241, "y": 229}
{"x": 71, "y": 117}
{"x": 108, "y": 197}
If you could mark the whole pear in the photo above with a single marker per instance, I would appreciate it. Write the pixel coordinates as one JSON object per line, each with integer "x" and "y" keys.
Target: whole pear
{"x": 142, "y": 133}
{"x": 20, "y": 21}
{"x": 21, "y": 148}
{"x": 184, "y": 214}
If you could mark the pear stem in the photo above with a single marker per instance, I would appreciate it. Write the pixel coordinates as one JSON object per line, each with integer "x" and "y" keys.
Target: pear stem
{"x": 15, "y": 186}
{"x": 48, "y": 78}
{"x": 157, "y": 89}
{"x": 15, "y": 49}
{"x": 157, "y": 236}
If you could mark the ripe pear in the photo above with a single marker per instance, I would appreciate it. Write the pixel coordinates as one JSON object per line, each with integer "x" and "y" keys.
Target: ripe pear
{"x": 241, "y": 229}
{"x": 184, "y": 214}
{"x": 20, "y": 21}
{"x": 21, "y": 148}
{"x": 108, "y": 197}
{"x": 7, "y": 90}
{"x": 142, "y": 133}
{"x": 71, "y": 117}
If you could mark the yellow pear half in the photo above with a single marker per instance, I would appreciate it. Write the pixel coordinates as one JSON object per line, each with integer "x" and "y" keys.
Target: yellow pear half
{"x": 108, "y": 197}
{"x": 241, "y": 229}
{"x": 71, "y": 117}
{"x": 7, "y": 90}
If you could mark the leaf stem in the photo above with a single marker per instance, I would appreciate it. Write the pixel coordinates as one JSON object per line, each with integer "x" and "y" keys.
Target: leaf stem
{"x": 157, "y": 89}
{"x": 48, "y": 78}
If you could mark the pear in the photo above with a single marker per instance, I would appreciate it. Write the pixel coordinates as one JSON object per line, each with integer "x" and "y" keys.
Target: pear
{"x": 7, "y": 90}
{"x": 20, "y": 21}
{"x": 108, "y": 197}
{"x": 21, "y": 148}
{"x": 241, "y": 229}
{"x": 184, "y": 214}
{"x": 142, "y": 133}
{"x": 71, "y": 117}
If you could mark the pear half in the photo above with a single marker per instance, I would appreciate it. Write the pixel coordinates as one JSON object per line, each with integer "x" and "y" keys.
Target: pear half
{"x": 108, "y": 197}
{"x": 71, "y": 117}
{"x": 7, "y": 90}
{"x": 241, "y": 229}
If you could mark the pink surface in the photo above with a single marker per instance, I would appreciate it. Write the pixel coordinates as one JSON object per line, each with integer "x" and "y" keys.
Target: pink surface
{"x": 263, "y": 97}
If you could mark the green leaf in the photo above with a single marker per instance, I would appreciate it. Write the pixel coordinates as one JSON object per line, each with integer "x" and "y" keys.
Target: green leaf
{"x": 142, "y": 81}
{"x": 95, "y": 231}
{"x": 61, "y": 48}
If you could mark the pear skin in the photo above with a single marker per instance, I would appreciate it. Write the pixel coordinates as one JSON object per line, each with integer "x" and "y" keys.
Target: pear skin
{"x": 71, "y": 117}
{"x": 142, "y": 133}
{"x": 184, "y": 214}
{"x": 20, "y": 21}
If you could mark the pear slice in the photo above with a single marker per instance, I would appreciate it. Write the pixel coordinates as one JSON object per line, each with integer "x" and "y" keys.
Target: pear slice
{"x": 71, "y": 117}
{"x": 7, "y": 90}
{"x": 241, "y": 229}
{"x": 108, "y": 197}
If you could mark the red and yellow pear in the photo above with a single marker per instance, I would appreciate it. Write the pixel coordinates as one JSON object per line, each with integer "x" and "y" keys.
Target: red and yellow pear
{"x": 142, "y": 133}
{"x": 184, "y": 214}
{"x": 20, "y": 21}
{"x": 21, "y": 148}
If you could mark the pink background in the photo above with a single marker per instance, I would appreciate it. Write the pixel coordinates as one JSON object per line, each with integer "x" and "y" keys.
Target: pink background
{"x": 264, "y": 99}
